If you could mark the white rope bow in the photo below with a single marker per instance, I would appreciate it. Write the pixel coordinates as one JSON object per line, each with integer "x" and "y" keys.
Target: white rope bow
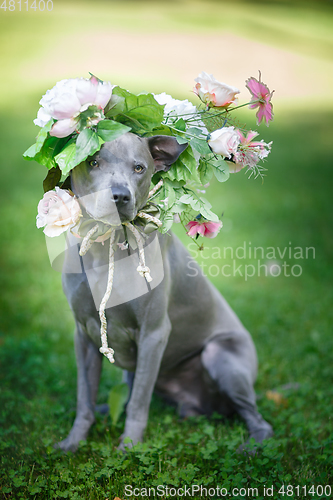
{"x": 142, "y": 269}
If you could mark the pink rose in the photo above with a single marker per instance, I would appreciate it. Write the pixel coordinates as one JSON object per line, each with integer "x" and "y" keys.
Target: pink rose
{"x": 57, "y": 211}
{"x": 214, "y": 93}
{"x": 224, "y": 141}
{"x": 67, "y": 99}
{"x": 206, "y": 228}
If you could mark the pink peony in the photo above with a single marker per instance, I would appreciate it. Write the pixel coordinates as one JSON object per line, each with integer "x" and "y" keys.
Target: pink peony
{"x": 249, "y": 152}
{"x": 224, "y": 141}
{"x": 206, "y": 228}
{"x": 57, "y": 211}
{"x": 67, "y": 99}
{"x": 214, "y": 93}
{"x": 261, "y": 98}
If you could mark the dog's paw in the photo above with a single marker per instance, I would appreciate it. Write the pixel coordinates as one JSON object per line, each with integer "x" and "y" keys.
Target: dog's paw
{"x": 128, "y": 441}
{"x": 125, "y": 447}
{"x": 253, "y": 444}
{"x": 66, "y": 445}
{"x": 263, "y": 433}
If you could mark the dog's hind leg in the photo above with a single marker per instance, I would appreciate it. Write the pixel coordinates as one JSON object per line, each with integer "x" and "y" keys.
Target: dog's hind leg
{"x": 89, "y": 364}
{"x": 231, "y": 362}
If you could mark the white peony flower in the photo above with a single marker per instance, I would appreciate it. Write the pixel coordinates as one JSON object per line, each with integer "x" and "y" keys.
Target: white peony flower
{"x": 57, "y": 211}
{"x": 67, "y": 99}
{"x": 224, "y": 141}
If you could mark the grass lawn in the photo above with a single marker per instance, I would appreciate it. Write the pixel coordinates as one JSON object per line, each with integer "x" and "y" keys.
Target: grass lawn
{"x": 289, "y": 317}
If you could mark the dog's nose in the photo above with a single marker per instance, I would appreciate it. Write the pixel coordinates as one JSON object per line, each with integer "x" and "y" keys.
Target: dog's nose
{"x": 121, "y": 195}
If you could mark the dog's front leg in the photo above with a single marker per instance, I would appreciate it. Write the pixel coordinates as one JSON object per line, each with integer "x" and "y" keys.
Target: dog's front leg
{"x": 89, "y": 364}
{"x": 150, "y": 352}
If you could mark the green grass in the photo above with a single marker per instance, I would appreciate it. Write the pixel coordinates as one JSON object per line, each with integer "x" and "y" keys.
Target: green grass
{"x": 290, "y": 318}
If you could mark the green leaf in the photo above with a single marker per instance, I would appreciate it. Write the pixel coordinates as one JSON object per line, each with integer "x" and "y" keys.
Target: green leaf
{"x": 188, "y": 160}
{"x": 86, "y": 145}
{"x": 186, "y": 199}
{"x": 66, "y": 158}
{"x": 200, "y": 205}
{"x": 180, "y": 140}
{"x": 205, "y": 171}
{"x": 174, "y": 184}
{"x": 52, "y": 179}
{"x": 31, "y": 152}
{"x": 200, "y": 145}
{"x": 195, "y": 131}
{"x": 190, "y": 199}
{"x": 109, "y": 130}
{"x": 74, "y": 152}
{"x": 178, "y": 172}
{"x": 184, "y": 169}
{"x": 115, "y": 105}
{"x": 170, "y": 194}
{"x": 180, "y": 125}
{"x": 50, "y": 148}
{"x": 205, "y": 207}
{"x": 178, "y": 207}
{"x": 117, "y": 400}
{"x": 167, "y": 220}
{"x": 141, "y": 112}
{"x": 221, "y": 170}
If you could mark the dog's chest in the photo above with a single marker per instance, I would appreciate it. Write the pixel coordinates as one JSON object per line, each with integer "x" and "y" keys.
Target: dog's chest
{"x": 122, "y": 336}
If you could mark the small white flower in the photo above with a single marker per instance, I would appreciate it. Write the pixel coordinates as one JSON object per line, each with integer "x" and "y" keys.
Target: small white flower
{"x": 175, "y": 109}
{"x": 123, "y": 245}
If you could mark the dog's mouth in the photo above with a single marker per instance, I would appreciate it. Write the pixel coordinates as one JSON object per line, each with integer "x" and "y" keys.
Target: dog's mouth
{"x": 100, "y": 207}
{"x": 115, "y": 217}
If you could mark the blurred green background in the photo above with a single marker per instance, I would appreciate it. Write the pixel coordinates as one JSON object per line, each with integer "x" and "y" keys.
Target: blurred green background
{"x": 163, "y": 46}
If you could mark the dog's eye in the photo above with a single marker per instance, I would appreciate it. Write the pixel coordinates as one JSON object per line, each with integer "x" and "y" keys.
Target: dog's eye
{"x": 138, "y": 168}
{"x": 94, "y": 163}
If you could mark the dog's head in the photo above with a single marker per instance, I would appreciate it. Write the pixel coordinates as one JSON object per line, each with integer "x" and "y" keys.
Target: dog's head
{"x": 114, "y": 183}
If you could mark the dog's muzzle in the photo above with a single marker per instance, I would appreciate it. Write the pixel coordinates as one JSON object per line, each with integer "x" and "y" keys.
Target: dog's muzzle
{"x": 121, "y": 196}
{"x": 124, "y": 202}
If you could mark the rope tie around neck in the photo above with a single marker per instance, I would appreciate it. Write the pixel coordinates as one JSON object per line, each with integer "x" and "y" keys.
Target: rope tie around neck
{"x": 105, "y": 349}
{"x": 87, "y": 241}
{"x": 142, "y": 269}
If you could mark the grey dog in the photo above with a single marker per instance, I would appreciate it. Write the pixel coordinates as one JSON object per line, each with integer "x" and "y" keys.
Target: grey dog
{"x": 180, "y": 338}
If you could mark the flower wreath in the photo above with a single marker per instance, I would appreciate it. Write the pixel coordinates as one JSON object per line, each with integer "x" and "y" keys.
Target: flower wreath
{"x": 78, "y": 115}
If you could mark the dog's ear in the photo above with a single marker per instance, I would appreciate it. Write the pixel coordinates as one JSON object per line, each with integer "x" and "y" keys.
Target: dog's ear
{"x": 165, "y": 150}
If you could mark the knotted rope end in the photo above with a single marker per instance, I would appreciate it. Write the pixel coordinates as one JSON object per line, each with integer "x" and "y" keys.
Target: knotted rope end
{"x": 108, "y": 352}
{"x": 144, "y": 271}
